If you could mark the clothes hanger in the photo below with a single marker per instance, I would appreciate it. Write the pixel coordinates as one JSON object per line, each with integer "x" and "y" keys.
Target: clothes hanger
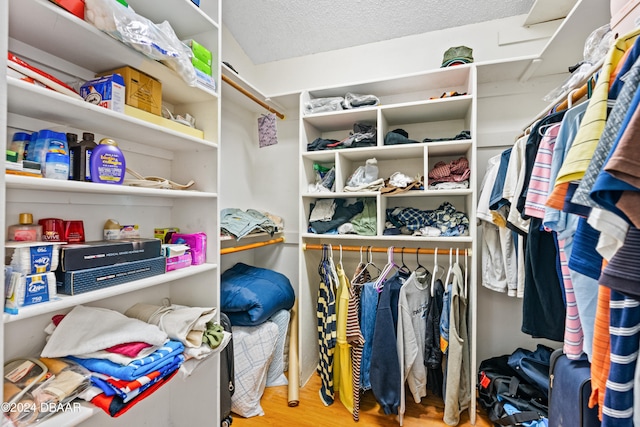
{"x": 446, "y": 282}
{"x": 466, "y": 267}
{"x": 370, "y": 263}
{"x": 404, "y": 267}
{"x": 420, "y": 268}
{"x": 542, "y": 129}
{"x": 386, "y": 270}
{"x": 325, "y": 254}
{"x": 436, "y": 269}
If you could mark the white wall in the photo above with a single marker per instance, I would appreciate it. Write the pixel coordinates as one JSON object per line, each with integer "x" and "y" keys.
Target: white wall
{"x": 267, "y": 178}
{"x": 407, "y": 55}
{"x": 260, "y": 178}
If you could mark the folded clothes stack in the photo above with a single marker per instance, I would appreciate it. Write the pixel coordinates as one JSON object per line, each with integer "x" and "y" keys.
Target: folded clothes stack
{"x": 129, "y": 358}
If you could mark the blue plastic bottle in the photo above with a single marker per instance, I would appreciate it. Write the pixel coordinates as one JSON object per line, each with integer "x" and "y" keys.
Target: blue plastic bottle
{"x": 56, "y": 157}
{"x": 108, "y": 165}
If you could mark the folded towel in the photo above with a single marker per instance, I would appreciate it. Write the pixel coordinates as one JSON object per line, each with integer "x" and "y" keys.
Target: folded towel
{"x": 85, "y": 330}
{"x": 182, "y": 323}
{"x": 134, "y": 370}
{"x": 127, "y": 390}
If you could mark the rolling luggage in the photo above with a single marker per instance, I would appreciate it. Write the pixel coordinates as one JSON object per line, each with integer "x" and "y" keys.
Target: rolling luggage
{"x": 569, "y": 391}
{"x": 226, "y": 376}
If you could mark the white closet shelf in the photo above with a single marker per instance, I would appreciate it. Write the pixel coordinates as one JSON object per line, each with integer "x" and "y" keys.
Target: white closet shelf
{"x": 420, "y": 239}
{"x": 387, "y": 152}
{"x": 393, "y": 152}
{"x": 449, "y": 148}
{"x": 30, "y": 183}
{"x": 434, "y": 193}
{"x": 411, "y": 193}
{"x": 231, "y": 241}
{"x": 242, "y": 99}
{"x": 58, "y": 34}
{"x": 342, "y": 119}
{"x": 340, "y": 195}
{"x": 432, "y": 110}
{"x": 72, "y": 417}
{"x": 320, "y": 156}
{"x": 30, "y": 100}
{"x": 67, "y": 301}
{"x": 190, "y": 20}
{"x": 441, "y": 79}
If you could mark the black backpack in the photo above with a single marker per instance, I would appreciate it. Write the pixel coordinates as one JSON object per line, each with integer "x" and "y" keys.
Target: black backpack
{"x": 499, "y": 384}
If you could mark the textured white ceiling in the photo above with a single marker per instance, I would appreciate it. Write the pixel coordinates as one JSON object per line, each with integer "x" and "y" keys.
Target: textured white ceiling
{"x": 279, "y": 29}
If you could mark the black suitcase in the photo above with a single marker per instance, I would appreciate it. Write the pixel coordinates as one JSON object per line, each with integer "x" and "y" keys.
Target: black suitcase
{"x": 569, "y": 391}
{"x": 226, "y": 376}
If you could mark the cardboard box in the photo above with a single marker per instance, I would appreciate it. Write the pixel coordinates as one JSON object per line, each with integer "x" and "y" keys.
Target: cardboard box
{"x": 80, "y": 281}
{"x": 107, "y": 91}
{"x": 142, "y": 90}
{"x": 100, "y": 253}
{"x": 161, "y": 121}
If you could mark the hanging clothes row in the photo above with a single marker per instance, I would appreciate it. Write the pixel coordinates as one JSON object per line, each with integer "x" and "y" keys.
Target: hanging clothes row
{"x": 578, "y": 186}
{"x": 388, "y": 327}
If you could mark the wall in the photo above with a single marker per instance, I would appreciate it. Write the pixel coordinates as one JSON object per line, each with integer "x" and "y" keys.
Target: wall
{"x": 260, "y": 178}
{"x": 407, "y": 55}
{"x": 268, "y": 176}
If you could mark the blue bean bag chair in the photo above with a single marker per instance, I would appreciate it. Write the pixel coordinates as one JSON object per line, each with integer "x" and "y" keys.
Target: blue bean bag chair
{"x": 250, "y": 295}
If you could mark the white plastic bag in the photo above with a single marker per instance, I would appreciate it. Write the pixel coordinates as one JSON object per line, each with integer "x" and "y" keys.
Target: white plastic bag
{"x": 157, "y": 41}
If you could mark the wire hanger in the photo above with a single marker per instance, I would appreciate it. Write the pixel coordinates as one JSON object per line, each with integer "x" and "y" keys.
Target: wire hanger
{"x": 370, "y": 263}
{"x": 420, "y": 268}
{"x": 403, "y": 267}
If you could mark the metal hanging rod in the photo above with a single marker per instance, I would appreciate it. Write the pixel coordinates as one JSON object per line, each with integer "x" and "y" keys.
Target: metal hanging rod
{"x": 250, "y": 246}
{"x": 396, "y": 249}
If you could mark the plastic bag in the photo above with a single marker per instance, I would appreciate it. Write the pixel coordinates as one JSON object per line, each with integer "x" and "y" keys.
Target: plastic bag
{"x": 596, "y": 47}
{"x": 320, "y": 105}
{"x": 364, "y": 174}
{"x": 353, "y": 100}
{"x": 157, "y": 41}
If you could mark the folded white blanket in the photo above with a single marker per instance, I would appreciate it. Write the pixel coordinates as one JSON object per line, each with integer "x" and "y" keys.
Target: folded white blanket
{"x": 86, "y": 330}
{"x": 182, "y": 323}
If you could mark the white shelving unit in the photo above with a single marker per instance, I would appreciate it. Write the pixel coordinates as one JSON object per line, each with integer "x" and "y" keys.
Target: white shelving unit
{"x": 412, "y": 103}
{"x": 73, "y": 50}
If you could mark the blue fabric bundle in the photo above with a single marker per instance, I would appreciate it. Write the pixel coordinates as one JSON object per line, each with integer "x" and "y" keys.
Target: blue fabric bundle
{"x": 250, "y": 295}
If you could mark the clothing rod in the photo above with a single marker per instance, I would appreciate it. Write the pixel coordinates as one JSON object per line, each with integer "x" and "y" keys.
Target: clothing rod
{"x": 561, "y": 101}
{"x": 233, "y": 249}
{"x": 251, "y": 96}
{"x": 396, "y": 249}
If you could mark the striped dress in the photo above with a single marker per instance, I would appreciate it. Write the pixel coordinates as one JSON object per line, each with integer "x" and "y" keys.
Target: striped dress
{"x": 327, "y": 332}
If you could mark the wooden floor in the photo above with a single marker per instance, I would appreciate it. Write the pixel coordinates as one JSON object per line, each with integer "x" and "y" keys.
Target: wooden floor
{"x": 311, "y": 411}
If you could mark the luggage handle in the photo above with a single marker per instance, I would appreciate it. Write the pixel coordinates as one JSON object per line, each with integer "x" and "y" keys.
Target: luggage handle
{"x": 517, "y": 418}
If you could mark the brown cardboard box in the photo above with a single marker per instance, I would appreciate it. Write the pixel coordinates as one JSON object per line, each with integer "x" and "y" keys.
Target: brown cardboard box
{"x": 142, "y": 90}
